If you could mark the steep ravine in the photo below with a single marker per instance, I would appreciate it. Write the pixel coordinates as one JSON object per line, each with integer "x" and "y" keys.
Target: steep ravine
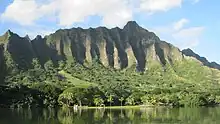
{"x": 118, "y": 48}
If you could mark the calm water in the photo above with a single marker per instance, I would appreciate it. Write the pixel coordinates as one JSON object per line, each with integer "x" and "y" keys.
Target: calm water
{"x": 118, "y": 116}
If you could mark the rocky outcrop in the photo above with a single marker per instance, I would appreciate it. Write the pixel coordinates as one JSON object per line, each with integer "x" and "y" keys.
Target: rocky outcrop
{"x": 116, "y": 48}
{"x": 20, "y": 48}
{"x": 2, "y": 64}
{"x": 41, "y": 49}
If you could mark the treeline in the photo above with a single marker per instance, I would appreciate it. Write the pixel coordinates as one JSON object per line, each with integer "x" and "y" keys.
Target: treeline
{"x": 67, "y": 83}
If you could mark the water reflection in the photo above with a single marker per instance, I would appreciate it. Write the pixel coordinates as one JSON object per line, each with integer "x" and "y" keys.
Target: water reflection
{"x": 113, "y": 116}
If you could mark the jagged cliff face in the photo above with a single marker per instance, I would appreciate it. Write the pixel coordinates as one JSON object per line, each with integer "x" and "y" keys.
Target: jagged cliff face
{"x": 1, "y": 63}
{"x": 116, "y": 48}
{"x": 19, "y": 48}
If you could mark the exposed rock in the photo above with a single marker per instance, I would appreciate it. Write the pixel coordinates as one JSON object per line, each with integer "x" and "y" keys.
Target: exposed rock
{"x": 116, "y": 48}
{"x": 41, "y": 49}
{"x": 1, "y": 62}
{"x": 19, "y": 47}
{"x": 119, "y": 48}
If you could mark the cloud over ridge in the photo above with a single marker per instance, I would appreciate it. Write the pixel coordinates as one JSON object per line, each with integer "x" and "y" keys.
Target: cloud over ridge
{"x": 67, "y": 12}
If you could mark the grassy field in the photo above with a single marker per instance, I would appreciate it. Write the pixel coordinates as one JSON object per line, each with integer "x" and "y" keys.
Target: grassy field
{"x": 75, "y": 81}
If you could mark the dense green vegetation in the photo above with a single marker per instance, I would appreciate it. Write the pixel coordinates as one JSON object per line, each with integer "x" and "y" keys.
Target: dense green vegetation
{"x": 186, "y": 83}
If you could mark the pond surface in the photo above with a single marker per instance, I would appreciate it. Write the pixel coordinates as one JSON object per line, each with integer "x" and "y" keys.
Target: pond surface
{"x": 113, "y": 116}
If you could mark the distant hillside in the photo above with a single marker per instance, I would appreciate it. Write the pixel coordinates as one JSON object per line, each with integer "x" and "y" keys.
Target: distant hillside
{"x": 189, "y": 52}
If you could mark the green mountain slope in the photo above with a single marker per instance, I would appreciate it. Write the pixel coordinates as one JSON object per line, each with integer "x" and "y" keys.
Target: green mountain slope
{"x": 75, "y": 81}
{"x": 95, "y": 66}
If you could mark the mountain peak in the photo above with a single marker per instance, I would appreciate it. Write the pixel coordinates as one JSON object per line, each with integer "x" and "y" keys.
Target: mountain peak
{"x": 27, "y": 37}
{"x": 8, "y": 32}
{"x": 38, "y": 37}
{"x": 131, "y": 24}
{"x": 4, "y": 38}
{"x": 188, "y": 50}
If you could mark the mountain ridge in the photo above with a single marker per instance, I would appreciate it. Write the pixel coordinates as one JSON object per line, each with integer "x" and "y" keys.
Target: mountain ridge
{"x": 205, "y": 62}
{"x": 115, "y": 47}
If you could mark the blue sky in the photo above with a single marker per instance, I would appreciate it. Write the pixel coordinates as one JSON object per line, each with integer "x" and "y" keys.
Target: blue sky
{"x": 191, "y": 24}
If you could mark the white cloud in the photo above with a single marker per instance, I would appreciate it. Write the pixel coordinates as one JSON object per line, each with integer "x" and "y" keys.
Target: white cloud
{"x": 113, "y": 12}
{"x": 188, "y": 37}
{"x": 153, "y": 6}
{"x": 195, "y": 1}
{"x": 67, "y": 12}
{"x": 25, "y": 12}
{"x": 179, "y": 24}
{"x": 180, "y": 36}
{"x": 25, "y": 16}
{"x": 119, "y": 15}
{"x": 189, "y": 32}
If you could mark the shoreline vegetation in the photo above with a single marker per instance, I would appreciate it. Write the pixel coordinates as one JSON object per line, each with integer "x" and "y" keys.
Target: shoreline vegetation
{"x": 130, "y": 107}
{"x": 114, "y": 107}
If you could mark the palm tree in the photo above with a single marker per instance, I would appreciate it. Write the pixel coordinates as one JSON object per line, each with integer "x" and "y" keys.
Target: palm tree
{"x": 121, "y": 100}
{"x": 110, "y": 99}
{"x": 98, "y": 100}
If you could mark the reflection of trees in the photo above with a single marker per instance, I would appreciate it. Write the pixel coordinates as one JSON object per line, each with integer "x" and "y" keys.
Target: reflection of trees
{"x": 130, "y": 114}
{"x": 98, "y": 114}
{"x": 121, "y": 116}
{"x": 25, "y": 114}
{"x": 34, "y": 116}
{"x": 110, "y": 115}
{"x": 49, "y": 113}
{"x": 71, "y": 116}
{"x": 146, "y": 113}
{"x": 65, "y": 116}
